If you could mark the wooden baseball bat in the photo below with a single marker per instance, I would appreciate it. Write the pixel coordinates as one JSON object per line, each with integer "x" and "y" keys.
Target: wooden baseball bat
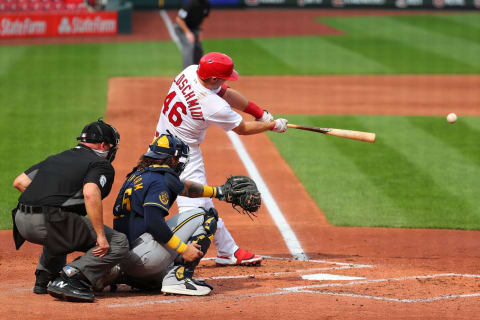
{"x": 342, "y": 133}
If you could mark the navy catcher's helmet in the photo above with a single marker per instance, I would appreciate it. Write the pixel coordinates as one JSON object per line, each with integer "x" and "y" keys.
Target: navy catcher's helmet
{"x": 98, "y": 132}
{"x": 166, "y": 146}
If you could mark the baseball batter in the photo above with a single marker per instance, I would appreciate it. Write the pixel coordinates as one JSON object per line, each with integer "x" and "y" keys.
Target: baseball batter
{"x": 197, "y": 99}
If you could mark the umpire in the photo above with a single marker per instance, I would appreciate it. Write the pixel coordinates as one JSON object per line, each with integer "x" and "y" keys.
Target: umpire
{"x": 188, "y": 29}
{"x": 57, "y": 194}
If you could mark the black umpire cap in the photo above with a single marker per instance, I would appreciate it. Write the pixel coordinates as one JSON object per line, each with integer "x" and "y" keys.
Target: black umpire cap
{"x": 99, "y": 131}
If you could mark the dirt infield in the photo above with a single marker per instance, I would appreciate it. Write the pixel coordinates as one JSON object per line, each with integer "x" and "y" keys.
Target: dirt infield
{"x": 363, "y": 273}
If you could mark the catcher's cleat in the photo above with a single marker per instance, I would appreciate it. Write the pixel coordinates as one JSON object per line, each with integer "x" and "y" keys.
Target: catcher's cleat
{"x": 176, "y": 283}
{"x": 187, "y": 287}
{"x": 240, "y": 257}
{"x": 42, "y": 278}
{"x": 71, "y": 288}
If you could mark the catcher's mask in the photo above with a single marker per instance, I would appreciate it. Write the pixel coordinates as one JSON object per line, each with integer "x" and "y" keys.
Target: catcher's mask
{"x": 166, "y": 146}
{"x": 218, "y": 65}
{"x": 98, "y": 132}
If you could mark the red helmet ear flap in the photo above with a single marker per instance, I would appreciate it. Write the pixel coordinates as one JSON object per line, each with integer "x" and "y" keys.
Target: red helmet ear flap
{"x": 218, "y": 65}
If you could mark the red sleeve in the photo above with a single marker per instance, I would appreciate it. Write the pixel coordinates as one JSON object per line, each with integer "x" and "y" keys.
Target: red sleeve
{"x": 254, "y": 110}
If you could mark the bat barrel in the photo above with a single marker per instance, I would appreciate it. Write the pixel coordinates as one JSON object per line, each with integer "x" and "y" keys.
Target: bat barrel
{"x": 341, "y": 133}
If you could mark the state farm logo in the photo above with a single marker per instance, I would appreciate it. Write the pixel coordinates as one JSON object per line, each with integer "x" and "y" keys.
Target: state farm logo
{"x": 476, "y": 3}
{"x": 252, "y": 3}
{"x": 338, "y": 3}
{"x": 64, "y": 26}
{"x": 78, "y": 25}
{"x": 26, "y": 27}
{"x": 439, "y": 3}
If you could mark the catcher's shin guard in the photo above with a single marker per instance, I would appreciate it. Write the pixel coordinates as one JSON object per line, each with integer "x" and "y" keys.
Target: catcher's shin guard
{"x": 203, "y": 239}
{"x": 210, "y": 222}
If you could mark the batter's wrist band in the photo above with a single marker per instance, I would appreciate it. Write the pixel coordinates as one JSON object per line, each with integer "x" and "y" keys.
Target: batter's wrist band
{"x": 254, "y": 110}
{"x": 177, "y": 244}
{"x": 223, "y": 89}
{"x": 210, "y": 192}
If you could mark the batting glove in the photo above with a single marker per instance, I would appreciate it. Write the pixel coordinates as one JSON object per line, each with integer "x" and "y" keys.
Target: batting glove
{"x": 280, "y": 125}
{"x": 266, "y": 117}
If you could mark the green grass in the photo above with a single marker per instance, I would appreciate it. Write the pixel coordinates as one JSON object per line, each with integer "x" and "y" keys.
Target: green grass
{"x": 370, "y": 45}
{"x": 421, "y": 171}
{"x": 48, "y": 92}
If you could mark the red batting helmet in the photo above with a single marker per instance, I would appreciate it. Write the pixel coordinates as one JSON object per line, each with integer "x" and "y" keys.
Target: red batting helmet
{"x": 216, "y": 64}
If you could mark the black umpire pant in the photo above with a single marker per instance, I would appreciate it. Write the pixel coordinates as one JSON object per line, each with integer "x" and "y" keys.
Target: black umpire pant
{"x": 61, "y": 233}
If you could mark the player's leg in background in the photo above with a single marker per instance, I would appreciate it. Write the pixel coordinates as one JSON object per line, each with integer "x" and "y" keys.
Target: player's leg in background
{"x": 198, "y": 48}
{"x": 187, "y": 47}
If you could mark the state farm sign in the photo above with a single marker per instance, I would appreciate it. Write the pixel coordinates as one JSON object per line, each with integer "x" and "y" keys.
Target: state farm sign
{"x": 22, "y": 27}
{"x": 50, "y": 24}
{"x": 87, "y": 25}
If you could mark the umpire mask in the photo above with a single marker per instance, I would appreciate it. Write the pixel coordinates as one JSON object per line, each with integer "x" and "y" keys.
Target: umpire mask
{"x": 98, "y": 132}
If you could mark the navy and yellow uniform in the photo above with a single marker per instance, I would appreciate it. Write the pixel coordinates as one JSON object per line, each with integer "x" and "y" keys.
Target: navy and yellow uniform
{"x": 155, "y": 244}
{"x": 144, "y": 202}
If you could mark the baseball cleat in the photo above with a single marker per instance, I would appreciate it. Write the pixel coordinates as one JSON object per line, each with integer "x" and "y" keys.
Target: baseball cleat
{"x": 187, "y": 287}
{"x": 42, "y": 278}
{"x": 241, "y": 257}
{"x": 70, "y": 288}
{"x": 175, "y": 282}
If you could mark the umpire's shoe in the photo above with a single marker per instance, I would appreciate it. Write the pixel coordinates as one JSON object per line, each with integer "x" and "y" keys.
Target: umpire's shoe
{"x": 42, "y": 278}
{"x": 176, "y": 283}
{"x": 71, "y": 286}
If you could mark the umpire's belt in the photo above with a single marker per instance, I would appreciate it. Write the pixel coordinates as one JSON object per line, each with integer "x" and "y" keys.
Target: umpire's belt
{"x": 38, "y": 209}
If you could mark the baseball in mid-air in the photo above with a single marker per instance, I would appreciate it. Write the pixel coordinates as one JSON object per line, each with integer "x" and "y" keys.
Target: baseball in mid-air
{"x": 452, "y": 118}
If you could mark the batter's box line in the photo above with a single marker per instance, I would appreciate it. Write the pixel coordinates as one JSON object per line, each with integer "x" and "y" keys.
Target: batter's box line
{"x": 353, "y": 265}
{"x": 305, "y": 289}
{"x": 276, "y": 274}
{"x": 353, "y": 295}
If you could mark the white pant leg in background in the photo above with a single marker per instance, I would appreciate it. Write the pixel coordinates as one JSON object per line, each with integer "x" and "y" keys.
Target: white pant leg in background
{"x": 195, "y": 171}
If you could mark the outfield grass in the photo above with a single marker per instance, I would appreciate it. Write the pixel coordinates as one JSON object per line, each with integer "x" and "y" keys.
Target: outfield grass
{"x": 49, "y": 91}
{"x": 421, "y": 171}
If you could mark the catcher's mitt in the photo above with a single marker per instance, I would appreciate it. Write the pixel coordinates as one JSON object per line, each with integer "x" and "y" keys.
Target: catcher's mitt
{"x": 241, "y": 191}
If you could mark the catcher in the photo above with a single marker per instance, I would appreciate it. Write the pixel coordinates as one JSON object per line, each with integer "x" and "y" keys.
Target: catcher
{"x": 164, "y": 254}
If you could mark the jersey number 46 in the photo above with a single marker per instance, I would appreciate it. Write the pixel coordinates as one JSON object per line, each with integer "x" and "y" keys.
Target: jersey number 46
{"x": 174, "y": 115}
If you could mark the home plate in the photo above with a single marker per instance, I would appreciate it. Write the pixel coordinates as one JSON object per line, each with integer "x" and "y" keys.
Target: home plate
{"x": 326, "y": 276}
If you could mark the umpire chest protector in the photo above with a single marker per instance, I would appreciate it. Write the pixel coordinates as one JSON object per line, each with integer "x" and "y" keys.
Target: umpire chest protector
{"x": 58, "y": 180}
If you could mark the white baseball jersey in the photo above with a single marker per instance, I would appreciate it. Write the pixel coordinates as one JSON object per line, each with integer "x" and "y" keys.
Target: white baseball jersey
{"x": 188, "y": 110}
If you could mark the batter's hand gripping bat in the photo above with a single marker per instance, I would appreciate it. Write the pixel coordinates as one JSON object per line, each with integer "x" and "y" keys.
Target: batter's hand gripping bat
{"x": 342, "y": 133}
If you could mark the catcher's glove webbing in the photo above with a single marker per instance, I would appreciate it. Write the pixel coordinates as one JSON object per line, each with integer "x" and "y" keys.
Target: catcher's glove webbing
{"x": 241, "y": 191}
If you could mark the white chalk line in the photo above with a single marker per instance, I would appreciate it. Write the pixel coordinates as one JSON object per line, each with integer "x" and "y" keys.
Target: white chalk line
{"x": 305, "y": 290}
{"x": 352, "y": 283}
{"x": 287, "y": 233}
{"x": 278, "y": 274}
{"x": 353, "y": 265}
{"x": 353, "y": 295}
